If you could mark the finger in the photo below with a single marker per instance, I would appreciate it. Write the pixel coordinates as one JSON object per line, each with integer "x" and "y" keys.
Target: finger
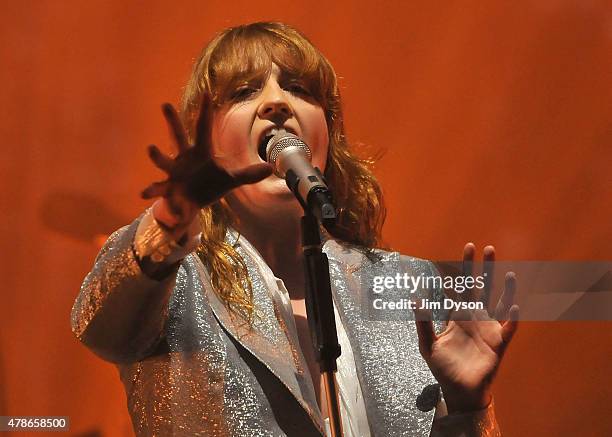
{"x": 176, "y": 127}
{"x": 468, "y": 258}
{"x": 510, "y": 326}
{"x": 203, "y": 128}
{"x": 160, "y": 160}
{"x": 425, "y": 332}
{"x": 156, "y": 189}
{"x": 252, "y": 174}
{"x": 488, "y": 270}
{"x": 506, "y": 299}
{"x": 469, "y": 252}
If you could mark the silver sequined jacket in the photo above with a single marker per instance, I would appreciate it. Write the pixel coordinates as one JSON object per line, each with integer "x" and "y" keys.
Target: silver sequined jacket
{"x": 190, "y": 368}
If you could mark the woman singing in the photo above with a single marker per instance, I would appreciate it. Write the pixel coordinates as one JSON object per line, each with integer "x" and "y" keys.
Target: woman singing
{"x": 200, "y": 301}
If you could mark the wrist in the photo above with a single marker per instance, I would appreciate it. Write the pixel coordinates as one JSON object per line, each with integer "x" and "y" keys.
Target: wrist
{"x": 464, "y": 402}
{"x": 157, "y": 245}
{"x": 472, "y": 423}
{"x": 164, "y": 215}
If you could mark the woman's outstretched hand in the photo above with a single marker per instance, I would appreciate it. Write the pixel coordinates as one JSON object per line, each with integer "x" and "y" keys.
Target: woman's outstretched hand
{"x": 465, "y": 357}
{"x": 194, "y": 178}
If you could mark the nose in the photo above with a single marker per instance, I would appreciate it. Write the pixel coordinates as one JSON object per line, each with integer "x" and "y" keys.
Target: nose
{"x": 274, "y": 104}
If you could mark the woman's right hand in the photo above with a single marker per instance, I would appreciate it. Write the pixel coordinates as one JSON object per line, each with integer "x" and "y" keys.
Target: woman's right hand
{"x": 194, "y": 178}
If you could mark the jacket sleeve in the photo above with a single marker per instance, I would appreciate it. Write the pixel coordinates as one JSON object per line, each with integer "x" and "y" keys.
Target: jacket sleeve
{"x": 120, "y": 311}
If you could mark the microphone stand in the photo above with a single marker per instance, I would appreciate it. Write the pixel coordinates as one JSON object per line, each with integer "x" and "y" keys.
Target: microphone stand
{"x": 291, "y": 159}
{"x": 320, "y": 313}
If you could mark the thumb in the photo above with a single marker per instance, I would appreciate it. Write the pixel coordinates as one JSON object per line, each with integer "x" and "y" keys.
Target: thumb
{"x": 425, "y": 331}
{"x": 253, "y": 173}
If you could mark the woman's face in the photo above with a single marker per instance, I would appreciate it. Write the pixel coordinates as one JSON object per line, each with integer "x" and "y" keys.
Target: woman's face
{"x": 240, "y": 125}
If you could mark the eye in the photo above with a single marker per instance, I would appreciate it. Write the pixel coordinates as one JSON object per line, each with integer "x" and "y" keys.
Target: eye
{"x": 243, "y": 93}
{"x": 297, "y": 88}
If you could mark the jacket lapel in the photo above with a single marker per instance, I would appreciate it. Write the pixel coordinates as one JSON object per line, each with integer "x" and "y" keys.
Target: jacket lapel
{"x": 390, "y": 369}
{"x": 268, "y": 339}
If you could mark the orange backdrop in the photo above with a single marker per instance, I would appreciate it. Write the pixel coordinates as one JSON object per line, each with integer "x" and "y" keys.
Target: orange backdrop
{"x": 495, "y": 119}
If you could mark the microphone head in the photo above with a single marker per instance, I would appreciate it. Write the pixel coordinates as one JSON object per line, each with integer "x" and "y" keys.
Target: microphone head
{"x": 284, "y": 143}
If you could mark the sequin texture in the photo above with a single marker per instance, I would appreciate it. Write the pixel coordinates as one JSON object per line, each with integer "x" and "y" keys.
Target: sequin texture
{"x": 190, "y": 368}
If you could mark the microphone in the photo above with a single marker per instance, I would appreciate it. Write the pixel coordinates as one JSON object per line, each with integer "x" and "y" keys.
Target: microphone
{"x": 291, "y": 158}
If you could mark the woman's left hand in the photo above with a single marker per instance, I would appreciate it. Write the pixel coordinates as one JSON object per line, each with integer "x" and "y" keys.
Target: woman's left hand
{"x": 465, "y": 357}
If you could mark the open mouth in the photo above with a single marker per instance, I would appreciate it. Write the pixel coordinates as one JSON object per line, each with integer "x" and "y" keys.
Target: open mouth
{"x": 263, "y": 144}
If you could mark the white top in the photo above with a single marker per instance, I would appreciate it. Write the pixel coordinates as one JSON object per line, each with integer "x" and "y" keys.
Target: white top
{"x": 352, "y": 407}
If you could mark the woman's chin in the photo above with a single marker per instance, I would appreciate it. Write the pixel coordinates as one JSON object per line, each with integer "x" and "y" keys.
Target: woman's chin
{"x": 270, "y": 196}
{"x": 275, "y": 187}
